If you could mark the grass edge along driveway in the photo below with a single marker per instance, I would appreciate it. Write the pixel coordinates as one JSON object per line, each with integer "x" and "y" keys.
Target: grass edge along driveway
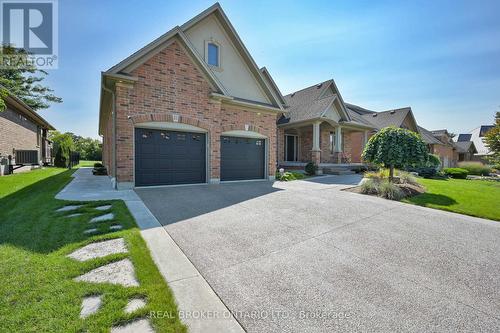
{"x": 37, "y": 293}
{"x": 479, "y": 198}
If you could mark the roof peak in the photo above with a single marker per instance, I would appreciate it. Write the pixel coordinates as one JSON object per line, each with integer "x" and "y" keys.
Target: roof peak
{"x": 317, "y": 85}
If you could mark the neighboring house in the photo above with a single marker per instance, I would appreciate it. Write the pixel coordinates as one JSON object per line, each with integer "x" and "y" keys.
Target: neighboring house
{"x": 446, "y": 151}
{"x": 465, "y": 150}
{"x": 477, "y": 137}
{"x": 23, "y": 137}
{"x": 190, "y": 107}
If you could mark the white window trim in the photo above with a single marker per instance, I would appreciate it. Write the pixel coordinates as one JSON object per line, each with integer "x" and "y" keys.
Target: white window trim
{"x": 219, "y": 58}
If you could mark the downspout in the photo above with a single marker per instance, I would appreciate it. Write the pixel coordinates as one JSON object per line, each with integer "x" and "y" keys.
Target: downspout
{"x": 113, "y": 131}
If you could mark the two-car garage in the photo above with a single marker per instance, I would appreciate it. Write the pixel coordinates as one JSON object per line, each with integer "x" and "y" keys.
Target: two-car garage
{"x": 168, "y": 157}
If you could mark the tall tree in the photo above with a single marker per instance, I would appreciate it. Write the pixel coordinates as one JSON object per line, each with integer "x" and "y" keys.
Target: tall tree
{"x": 492, "y": 140}
{"x": 24, "y": 81}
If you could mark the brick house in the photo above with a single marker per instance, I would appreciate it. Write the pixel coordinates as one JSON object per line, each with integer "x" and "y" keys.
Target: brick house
{"x": 23, "y": 137}
{"x": 190, "y": 107}
{"x": 193, "y": 107}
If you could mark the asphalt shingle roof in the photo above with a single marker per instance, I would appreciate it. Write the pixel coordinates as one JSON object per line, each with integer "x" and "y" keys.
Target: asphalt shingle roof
{"x": 428, "y": 137}
{"x": 387, "y": 118}
{"x": 463, "y": 146}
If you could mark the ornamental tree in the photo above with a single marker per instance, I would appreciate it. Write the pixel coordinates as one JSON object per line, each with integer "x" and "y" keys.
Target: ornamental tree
{"x": 492, "y": 140}
{"x": 393, "y": 147}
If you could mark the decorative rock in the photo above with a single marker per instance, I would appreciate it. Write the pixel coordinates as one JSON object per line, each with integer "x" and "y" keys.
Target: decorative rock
{"x": 74, "y": 215}
{"x": 68, "y": 208}
{"x": 120, "y": 272}
{"x": 141, "y": 325}
{"x": 99, "y": 250}
{"x": 105, "y": 217}
{"x": 116, "y": 227}
{"x": 105, "y": 207}
{"x": 134, "y": 305}
{"x": 90, "y": 305}
{"x": 90, "y": 231}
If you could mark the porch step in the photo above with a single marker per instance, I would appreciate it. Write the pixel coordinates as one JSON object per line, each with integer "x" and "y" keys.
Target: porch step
{"x": 337, "y": 171}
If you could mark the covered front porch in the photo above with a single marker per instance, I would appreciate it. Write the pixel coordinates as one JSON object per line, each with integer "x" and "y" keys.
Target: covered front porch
{"x": 326, "y": 143}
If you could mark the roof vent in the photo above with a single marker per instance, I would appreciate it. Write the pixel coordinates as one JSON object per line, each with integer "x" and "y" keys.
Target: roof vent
{"x": 293, "y": 94}
{"x": 393, "y": 112}
{"x": 319, "y": 85}
{"x": 374, "y": 115}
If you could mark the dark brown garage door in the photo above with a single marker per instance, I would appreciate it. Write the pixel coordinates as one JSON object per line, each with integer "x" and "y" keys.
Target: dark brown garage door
{"x": 169, "y": 157}
{"x": 242, "y": 158}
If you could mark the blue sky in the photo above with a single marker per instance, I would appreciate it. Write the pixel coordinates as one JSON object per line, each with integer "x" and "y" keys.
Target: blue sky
{"x": 442, "y": 58}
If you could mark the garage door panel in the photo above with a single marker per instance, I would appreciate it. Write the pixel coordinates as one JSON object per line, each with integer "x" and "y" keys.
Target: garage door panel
{"x": 242, "y": 158}
{"x": 169, "y": 157}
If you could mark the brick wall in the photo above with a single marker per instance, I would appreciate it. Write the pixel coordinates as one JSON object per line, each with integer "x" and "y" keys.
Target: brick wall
{"x": 446, "y": 154}
{"x": 169, "y": 83}
{"x": 16, "y": 132}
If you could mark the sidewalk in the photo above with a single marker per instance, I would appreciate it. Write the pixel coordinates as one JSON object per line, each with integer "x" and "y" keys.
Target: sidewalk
{"x": 200, "y": 308}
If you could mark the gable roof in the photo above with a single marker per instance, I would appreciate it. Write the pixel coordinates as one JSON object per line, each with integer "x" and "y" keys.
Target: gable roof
{"x": 273, "y": 84}
{"x": 20, "y": 107}
{"x": 388, "y": 118}
{"x": 428, "y": 137}
{"x": 464, "y": 146}
{"x": 312, "y": 102}
{"x": 179, "y": 32}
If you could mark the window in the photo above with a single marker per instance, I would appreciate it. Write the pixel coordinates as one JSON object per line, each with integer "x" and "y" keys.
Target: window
{"x": 332, "y": 142}
{"x": 213, "y": 54}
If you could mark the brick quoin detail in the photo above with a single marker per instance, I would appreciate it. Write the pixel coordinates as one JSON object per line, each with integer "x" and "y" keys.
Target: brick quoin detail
{"x": 169, "y": 83}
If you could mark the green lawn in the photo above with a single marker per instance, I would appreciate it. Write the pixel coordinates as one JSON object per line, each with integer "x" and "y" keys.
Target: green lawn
{"x": 471, "y": 197}
{"x": 37, "y": 291}
{"x": 84, "y": 163}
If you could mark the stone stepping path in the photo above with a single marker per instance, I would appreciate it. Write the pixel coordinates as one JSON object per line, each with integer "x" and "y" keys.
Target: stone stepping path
{"x": 74, "y": 215}
{"x": 99, "y": 249}
{"x": 90, "y": 231}
{"x": 90, "y": 305}
{"x": 68, "y": 208}
{"x": 101, "y": 218}
{"x": 134, "y": 305}
{"x": 105, "y": 207}
{"x": 141, "y": 325}
{"x": 116, "y": 227}
{"x": 119, "y": 272}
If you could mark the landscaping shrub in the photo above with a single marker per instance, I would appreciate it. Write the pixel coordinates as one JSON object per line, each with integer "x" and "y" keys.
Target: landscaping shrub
{"x": 389, "y": 190}
{"x": 426, "y": 172}
{"x": 475, "y": 168}
{"x": 407, "y": 178}
{"x": 433, "y": 161}
{"x": 98, "y": 165}
{"x": 370, "y": 186}
{"x": 311, "y": 168}
{"x": 456, "y": 173}
{"x": 288, "y": 176}
{"x": 382, "y": 173}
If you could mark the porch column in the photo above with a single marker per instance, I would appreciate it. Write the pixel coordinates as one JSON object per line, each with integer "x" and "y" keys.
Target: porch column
{"x": 338, "y": 143}
{"x": 365, "y": 138}
{"x": 338, "y": 139}
{"x": 316, "y": 150}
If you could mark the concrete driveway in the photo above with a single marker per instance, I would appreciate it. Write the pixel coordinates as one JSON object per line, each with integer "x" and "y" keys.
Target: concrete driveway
{"x": 306, "y": 257}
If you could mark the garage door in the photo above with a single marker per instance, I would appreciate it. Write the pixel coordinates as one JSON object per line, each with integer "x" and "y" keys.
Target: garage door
{"x": 169, "y": 157}
{"x": 242, "y": 158}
